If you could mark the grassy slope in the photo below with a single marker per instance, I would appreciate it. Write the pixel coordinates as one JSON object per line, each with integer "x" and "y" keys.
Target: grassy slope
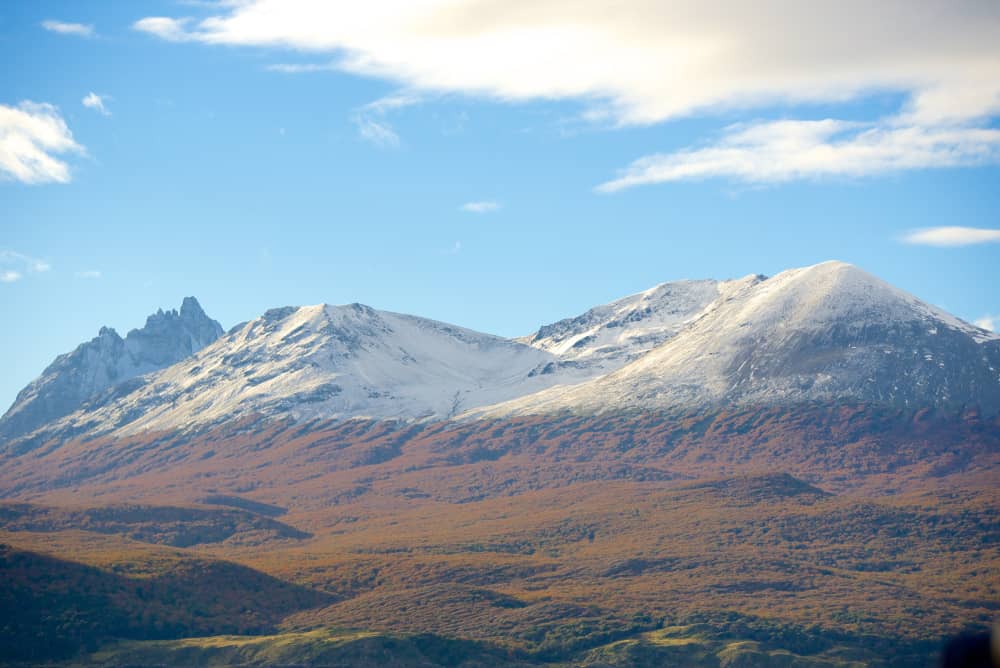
{"x": 53, "y": 607}
{"x": 670, "y": 646}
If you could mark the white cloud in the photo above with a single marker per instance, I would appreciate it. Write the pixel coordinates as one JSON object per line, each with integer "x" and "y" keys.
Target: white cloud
{"x": 376, "y": 132}
{"x": 63, "y": 28}
{"x": 952, "y": 236}
{"x": 89, "y": 274}
{"x": 299, "y": 68}
{"x": 31, "y": 135}
{"x": 481, "y": 207}
{"x": 648, "y": 61}
{"x": 14, "y": 266}
{"x": 777, "y": 151}
{"x": 96, "y": 102}
{"x": 455, "y": 249}
{"x": 172, "y": 30}
{"x": 642, "y": 62}
{"x": 989, "y": 322}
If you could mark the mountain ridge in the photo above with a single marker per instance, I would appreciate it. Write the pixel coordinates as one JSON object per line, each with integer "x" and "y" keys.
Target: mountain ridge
{"x": 822, "y": 332}
{"x": 828, "y": 331}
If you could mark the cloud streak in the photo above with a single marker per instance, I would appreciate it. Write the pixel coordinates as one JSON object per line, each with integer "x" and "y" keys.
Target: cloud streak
{"x": 371, "y": 122}
{"x": 64, "y": 28}
{"x": 96, "y": 102}
{"x": 31, "y": 136}
{"x": 485, "y": 206}
{"x": 952, "y": 236}
{"x": 778, "y": 151}
{"x": 299, "y": 68}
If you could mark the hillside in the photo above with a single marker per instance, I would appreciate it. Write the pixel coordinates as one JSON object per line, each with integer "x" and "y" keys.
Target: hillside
{"x": 798, "y": 470}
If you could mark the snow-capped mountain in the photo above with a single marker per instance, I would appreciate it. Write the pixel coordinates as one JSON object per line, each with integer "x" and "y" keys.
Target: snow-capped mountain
{"x": 830, "y": 331}
{"x": 824, "y": 332}
{"x": 330, "y": 362}
{"x": 607, "y": 337}
{"x": 98, "y": 369}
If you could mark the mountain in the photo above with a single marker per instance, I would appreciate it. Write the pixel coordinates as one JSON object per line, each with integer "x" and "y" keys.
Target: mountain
{"x": 829, "y": 331}
{"x": 330, "y": 362}
{"x": 609, "y": 336}
{"x": 825, "y": 332}
{"x": 105, "y": 362}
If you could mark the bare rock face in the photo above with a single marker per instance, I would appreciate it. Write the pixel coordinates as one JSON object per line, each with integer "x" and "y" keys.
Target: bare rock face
{"x": 105, "y": 362}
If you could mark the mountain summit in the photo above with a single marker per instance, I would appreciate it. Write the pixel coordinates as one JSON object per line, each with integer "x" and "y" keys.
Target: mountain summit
{"x": 97, "y": 369}
{"x": 829, "y": 331}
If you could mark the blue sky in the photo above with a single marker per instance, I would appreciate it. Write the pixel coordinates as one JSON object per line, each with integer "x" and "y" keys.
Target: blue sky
{"x": 257, "y": 162}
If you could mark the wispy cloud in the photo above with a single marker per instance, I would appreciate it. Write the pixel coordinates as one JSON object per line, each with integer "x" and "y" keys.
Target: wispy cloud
{"x": 648, "y": 61}
{"x": 455, "y": 249}
{"x": 778, "y": 151}
{"x": 31, "y": 136}
{"x": 90, "y": 274}
{"x": 14, "y": 266}
{"x": 952, "y": 236}
{"x": 989, "y": 322}
{"x": 300, "y": 68}
{"x": 96, "y": 102}
{"x": 371, "y": 122}
{"x": 64, "y": 28}
{"x": 170, "y": 29}
{"x": 376, "y": 132}
{"x": 392, "y": 102}
{"x": 485, "y": 206}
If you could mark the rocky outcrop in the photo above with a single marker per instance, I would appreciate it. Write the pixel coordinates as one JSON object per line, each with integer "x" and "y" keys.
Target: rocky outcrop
{"x": 105, "y": 362}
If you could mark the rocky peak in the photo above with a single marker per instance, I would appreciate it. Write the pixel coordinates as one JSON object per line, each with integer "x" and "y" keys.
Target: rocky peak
{"x": 191, "y": 309}
{"x": 106, "y": 361}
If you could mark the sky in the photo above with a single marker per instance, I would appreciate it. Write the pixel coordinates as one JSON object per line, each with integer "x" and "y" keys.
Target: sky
{"x": 495, "y": 164}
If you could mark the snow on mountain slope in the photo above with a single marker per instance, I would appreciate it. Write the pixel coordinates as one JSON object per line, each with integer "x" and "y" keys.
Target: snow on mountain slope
{"x": 607, "y": 337}
{"x": 106, "y": 362}
{"x": 329, "y": 362}
{"x": 822, "y": 332}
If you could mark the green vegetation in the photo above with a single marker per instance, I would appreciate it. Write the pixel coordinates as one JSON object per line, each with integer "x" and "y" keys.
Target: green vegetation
{"x": 52, "y": 608}
{"x": 680, "y": 646}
